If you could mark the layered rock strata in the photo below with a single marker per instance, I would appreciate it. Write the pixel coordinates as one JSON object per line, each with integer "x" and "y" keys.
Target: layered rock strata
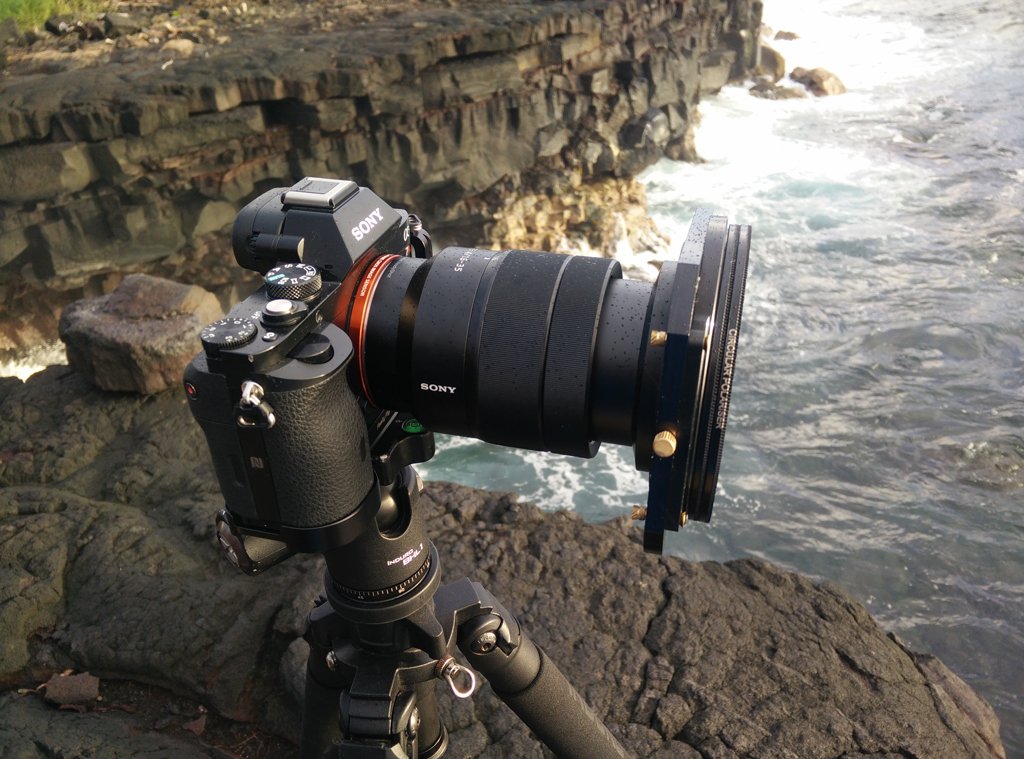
{"x": 137, "y": 159}
{"x": 109, "y": 563}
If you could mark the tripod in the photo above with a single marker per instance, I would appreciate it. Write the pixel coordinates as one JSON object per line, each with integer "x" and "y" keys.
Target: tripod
{"x": 378, "y": 646}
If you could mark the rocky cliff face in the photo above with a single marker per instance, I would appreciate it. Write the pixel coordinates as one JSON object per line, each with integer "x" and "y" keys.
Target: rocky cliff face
{"x": 137, "y": 159}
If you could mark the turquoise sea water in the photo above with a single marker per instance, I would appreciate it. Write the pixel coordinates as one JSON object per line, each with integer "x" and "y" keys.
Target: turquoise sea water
{"x": 876, "y": 438}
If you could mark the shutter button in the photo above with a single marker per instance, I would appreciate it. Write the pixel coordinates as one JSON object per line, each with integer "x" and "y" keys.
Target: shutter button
{"x": 281, "y": 312}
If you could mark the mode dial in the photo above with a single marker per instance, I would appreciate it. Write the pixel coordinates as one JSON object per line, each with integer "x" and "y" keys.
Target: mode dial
{"x": 293, "y": 281}
{"x": 227, "y": 333}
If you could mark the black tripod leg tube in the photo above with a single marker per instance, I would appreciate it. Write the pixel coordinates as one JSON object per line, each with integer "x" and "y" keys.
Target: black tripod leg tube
{"x": 319, "y": 718}
{"x": 526, "y": 679}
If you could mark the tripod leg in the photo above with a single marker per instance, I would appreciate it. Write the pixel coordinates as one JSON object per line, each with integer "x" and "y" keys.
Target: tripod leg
{"x": 319, "y": 718}
{"x": 324, "y": 686}
{"x": 526, "y": 679}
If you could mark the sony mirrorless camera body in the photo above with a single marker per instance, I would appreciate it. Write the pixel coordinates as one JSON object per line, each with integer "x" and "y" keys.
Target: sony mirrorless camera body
{"x": 319, "y": 390}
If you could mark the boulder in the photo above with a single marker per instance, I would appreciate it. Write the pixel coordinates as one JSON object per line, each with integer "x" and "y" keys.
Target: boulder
{"x": 140, "y": 337}
{"x": 785, "y": 36}
{"x": 61, "y": 24}
{"x": 819, "y": 81}
{"x": 120, "y": 25}
{"x": 111, "y": 565}
{"x": 772, "y": 63}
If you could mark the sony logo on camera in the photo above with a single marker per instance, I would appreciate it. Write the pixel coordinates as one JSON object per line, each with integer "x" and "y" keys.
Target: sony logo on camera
{"x": 437, "y": 388}
{"x": 363, "y": 228}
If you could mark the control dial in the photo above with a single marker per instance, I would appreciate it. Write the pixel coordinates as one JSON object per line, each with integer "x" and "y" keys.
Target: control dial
{"x": 227, "y": 333}
{"x": 293, "y": 281}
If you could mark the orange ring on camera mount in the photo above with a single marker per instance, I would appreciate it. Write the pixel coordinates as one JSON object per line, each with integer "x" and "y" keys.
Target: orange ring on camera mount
{"x": 360, "y": 311}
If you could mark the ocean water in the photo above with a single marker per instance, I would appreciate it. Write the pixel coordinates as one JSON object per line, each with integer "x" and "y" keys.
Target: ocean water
{"x": 876, "y": 438}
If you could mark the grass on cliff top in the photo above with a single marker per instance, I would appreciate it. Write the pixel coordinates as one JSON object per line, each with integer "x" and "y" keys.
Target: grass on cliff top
{"x": 30, "y": 14}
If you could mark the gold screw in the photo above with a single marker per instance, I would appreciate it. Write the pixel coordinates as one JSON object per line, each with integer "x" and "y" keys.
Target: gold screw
{"x": 682, "y": 519}
{"x": 664, "y": 444}
{"x": 639, "y": 513}
{"x": 658, "y": 337}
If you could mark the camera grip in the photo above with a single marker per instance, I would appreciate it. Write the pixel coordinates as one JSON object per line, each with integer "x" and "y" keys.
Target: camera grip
{"x": 318, "y": 450}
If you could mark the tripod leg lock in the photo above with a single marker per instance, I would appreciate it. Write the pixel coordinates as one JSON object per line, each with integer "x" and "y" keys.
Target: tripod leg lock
{"x": 496, "y": 647}
{"x": 524, "y": 677}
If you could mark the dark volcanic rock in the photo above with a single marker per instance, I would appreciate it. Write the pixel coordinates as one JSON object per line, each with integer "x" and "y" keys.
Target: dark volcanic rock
{"x": 110, "y": 564}
{"x": 119, "y": 24}
{"x": 141, "y": 336}
{"x": 37, "y": 731}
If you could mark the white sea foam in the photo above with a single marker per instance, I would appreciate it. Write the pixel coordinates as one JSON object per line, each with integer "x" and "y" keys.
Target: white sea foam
{"x": 33, "y": 360}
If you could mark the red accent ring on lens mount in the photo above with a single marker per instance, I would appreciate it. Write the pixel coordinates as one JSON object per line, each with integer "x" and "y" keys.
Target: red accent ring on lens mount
{"x": 361, "y": 299}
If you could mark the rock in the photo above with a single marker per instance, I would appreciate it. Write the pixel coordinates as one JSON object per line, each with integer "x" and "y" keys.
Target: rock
{"x": 93, "y": 30}
{"x": 789, "y": 93}
{"x": 787, "y": 36}
{"x": 772, "y": 63}
{"x": 178, "y": 48}
{"x": 33, "y": 730}
{"x": 602, "y": 217}
{"x": 108, "y": 549}
{"x": 120, "y": 25}
{"x": 960, "y": 698}
{"x": 716, "y": 70}
{"x": 62, "y": 24}
{"x": 650, "y": 129}
{"x": 765, "y": 88}
{"x": 140, "y": 337}
{"x": 72, "y": 689}
{"x": 35, "y": 172}
{"x": 819, "y": 81}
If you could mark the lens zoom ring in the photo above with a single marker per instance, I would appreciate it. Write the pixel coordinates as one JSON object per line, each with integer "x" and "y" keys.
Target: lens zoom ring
{"x": 570, "y": 354}
{"x": 513, "y": 343}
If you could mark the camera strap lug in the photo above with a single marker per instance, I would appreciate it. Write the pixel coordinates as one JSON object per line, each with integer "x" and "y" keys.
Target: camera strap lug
{"x": 252, "y": 410}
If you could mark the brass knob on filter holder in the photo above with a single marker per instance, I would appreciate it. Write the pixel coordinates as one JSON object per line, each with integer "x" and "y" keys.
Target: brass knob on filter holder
{"x": 664, "y": 444}
{"x": 640, "y": 514}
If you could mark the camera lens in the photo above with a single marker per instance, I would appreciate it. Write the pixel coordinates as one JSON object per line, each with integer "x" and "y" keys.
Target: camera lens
{"x": 560, "y": 353}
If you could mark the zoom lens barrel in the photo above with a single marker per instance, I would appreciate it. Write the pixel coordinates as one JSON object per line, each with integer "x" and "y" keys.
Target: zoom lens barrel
{"x": 560, "y": 353}
{"x": 493, "y": 345}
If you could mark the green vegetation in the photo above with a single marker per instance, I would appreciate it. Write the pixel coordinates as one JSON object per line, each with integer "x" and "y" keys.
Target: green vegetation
{"x": 32, "y": 13}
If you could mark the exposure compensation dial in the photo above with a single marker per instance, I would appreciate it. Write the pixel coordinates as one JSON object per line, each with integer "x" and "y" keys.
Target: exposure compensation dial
{"x": 227, "y": 333}
{"x": 293, "y": 281}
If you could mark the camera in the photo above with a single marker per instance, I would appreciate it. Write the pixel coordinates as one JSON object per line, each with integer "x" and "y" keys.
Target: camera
{"x": 319, "y": 389}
